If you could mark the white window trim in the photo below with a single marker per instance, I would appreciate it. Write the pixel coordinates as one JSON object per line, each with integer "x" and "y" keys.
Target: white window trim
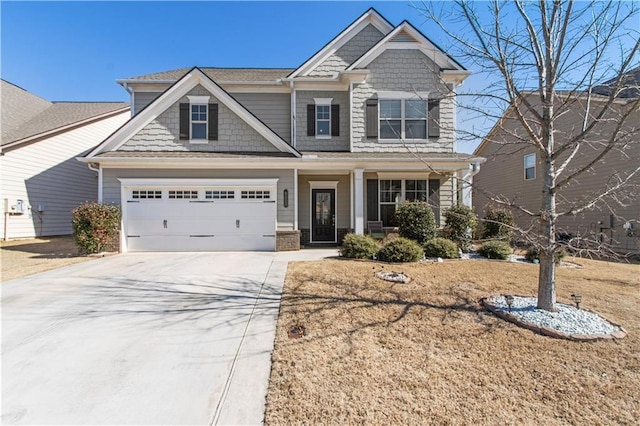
{"x": 535, "y": 166}
{"x": 404, "y": 96}
{"x": 198, "y": 100}
{"x": 323, "y": 102}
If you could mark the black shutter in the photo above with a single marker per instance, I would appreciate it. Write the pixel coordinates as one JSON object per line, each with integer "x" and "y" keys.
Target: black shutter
{"x": 311, "y": 120}
{"x": 335, "y": 120}
{"x": 372, "y": 199}
{"x": 213, "y": 122}
{"x": 184, "y": 121}
{"x": 434, "y": 118}
{"x": 372, "y": 118}
{"x": 434, "y": 198}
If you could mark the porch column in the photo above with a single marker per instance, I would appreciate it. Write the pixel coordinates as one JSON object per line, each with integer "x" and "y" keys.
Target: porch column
{"x": 358, "y": 198}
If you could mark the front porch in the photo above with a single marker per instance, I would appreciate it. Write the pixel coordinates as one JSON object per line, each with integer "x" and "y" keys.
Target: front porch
{"x": 332, "y": 203}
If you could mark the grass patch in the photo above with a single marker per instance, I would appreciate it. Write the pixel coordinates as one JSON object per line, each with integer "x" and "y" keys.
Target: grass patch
{"x": 425, "y": 352}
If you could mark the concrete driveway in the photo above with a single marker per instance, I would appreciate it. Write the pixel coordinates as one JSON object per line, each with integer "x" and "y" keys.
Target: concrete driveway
{"x": 179, "y": 338}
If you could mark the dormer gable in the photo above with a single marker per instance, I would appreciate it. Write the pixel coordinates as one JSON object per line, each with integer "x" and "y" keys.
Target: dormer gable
{"x": 360, "y": 34}
{"x": 193, "y": 79}
{"x": 406, "y": 36}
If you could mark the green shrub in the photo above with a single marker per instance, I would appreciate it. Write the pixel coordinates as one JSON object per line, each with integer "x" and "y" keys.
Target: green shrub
{"x": 416, "y": 221}
{"x": 96, "y": 227}
{"x": 460, "y": 224}
{"x": 533, "y": 253}
{"x": 495, "y": 250}
{"x": 401, "y": 250}
{"x": 441, "y": 247}
{"x": 498, "y": 224}
{"x": 358, "y": 247}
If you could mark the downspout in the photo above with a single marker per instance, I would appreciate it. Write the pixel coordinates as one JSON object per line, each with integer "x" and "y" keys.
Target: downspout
{"x": 293, "y": 113}
{"x": 99, "y": 171}
{"x": 468, "y": 181}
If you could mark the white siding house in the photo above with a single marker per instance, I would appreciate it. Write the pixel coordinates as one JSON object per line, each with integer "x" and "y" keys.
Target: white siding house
{"x": 41, "y": 180}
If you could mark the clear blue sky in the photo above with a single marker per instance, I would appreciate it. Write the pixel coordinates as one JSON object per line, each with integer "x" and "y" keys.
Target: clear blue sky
{"x": 75, "y": 51}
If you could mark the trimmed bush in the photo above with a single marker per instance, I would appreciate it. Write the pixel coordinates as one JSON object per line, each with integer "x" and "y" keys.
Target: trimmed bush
{"x": 416, "y": 221}
{"x": 495, "y": 250}
{"x": 498, "y": 224}
{"x": 358, "y": 247}
{"x": 441, "y": 247}
{"x": 401, "y": 250}
{"x": 96, "y": 227}
{"x": 390, "y": 237}
{"x": 533, "y": 253}
{"x": 460, "y": 224}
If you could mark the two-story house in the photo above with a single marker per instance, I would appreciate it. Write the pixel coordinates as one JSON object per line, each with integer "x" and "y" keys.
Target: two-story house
{"x": 268, "y": 159}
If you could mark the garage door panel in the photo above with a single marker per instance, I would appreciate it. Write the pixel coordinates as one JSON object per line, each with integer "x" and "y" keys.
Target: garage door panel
{"x": 171, "y": 224}
{"x": 217, "y": 243}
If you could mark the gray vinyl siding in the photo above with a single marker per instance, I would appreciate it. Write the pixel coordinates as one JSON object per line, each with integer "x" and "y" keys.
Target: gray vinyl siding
{"x": 348, "y": 53}
{"x": 274, "y": 109}
{"x": 343, "y": 199}
{"x": 503, "y": 174}
{"x": 407, "y": 71}
{"x": 112, "y": 185}
{"x": 47, "y": 173}
{"x": 142, "y": 99}
{"x": 311, "y": 143}
{"x": 163, "y": 133}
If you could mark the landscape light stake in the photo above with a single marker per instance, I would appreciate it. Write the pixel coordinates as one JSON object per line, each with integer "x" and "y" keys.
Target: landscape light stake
{"x": 577, "y": 298}
{"x": 509, "y": 299}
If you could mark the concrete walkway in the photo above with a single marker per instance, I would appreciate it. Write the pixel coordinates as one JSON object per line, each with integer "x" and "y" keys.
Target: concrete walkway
{"x": 162, "y": 338}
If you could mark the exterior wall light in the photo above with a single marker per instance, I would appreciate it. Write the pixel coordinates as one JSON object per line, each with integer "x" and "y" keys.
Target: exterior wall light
{"x": 285, "y": 200}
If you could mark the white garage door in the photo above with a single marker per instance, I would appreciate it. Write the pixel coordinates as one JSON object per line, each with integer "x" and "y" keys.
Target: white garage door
{"x": 196, "y": 217}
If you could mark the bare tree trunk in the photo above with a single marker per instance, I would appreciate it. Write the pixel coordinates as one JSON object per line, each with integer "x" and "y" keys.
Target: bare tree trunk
{"x": 547, "y": 274}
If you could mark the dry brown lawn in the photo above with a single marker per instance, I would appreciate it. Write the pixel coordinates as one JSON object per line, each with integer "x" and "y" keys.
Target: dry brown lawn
{"x": 26, "y": 257}
{"x": 426, "y": 353}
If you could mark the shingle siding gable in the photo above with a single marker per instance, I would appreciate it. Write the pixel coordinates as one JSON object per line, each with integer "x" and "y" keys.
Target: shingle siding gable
{"x": 348, "y": 53}
{"x": 403, "y": 71}
{"x": 162, "y": 134}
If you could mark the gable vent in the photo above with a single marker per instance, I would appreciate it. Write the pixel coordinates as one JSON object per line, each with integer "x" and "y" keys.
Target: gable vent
{"x": 403, "y": 36}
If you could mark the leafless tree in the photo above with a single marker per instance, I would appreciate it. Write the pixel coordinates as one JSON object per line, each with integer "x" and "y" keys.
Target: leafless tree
{"x": 543, "y": 59}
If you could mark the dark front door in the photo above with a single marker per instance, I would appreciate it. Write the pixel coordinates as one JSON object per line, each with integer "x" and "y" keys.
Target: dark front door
{"x": 323, "y": 216}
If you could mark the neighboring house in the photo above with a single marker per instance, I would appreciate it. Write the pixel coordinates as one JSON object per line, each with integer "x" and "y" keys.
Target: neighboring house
{"x": 512, "y": 169}
{"x": 268, "y": 159}
{"x": 41, "y": 179}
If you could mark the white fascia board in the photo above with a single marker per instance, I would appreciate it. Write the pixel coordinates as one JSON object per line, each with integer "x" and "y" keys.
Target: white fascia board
{"x": 421, "y": 42}
{"x": 454, "y": 76}
{"x": 370, "y": 17}
{"x": 198, "y": 182}
{"x": 171, "y": 96}
{"x": 303, "y": 165}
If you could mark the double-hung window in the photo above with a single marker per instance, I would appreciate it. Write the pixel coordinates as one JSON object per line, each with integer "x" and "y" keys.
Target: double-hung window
{"x": 323, "y": 117}
{"x": 198, "y": 121}
{"x": 530, "y": 166}
{"x": 404, "y": 119}
{"x": 323, "y": 120}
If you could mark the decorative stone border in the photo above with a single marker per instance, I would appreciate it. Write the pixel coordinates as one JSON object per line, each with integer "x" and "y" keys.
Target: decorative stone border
{"x": 394, "y": 277}
{"x": 550, "y": 332}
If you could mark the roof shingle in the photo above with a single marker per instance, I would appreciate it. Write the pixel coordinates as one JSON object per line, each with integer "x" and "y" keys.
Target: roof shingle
{"x": 221, "y": 74}
{"x": 25, "y": 114}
